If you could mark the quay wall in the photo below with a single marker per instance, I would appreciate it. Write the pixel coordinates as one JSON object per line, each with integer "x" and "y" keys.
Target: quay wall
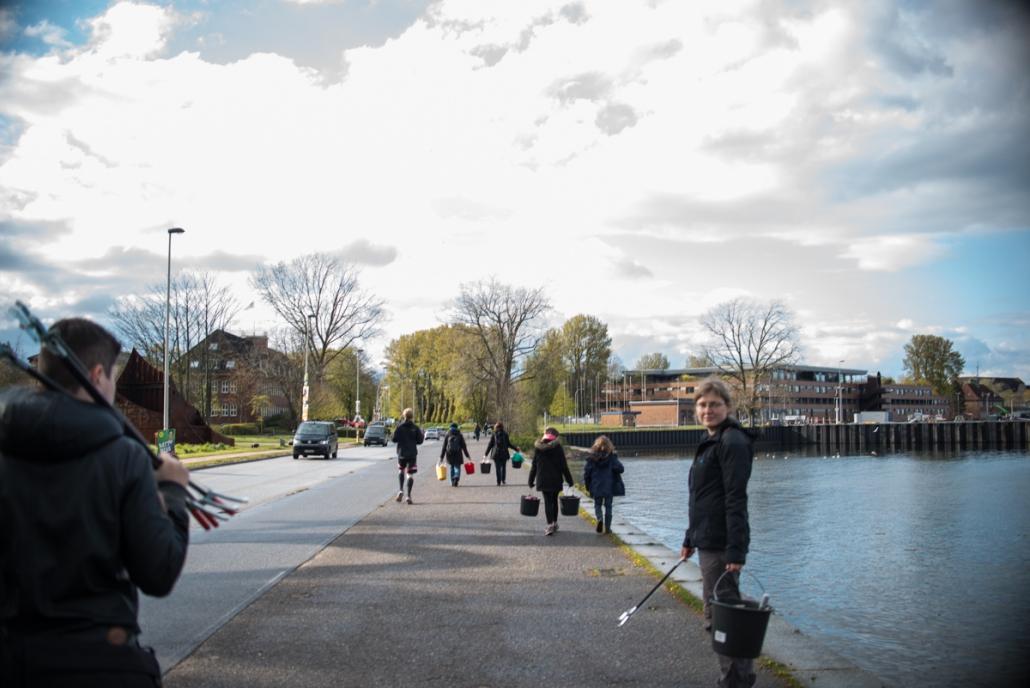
{"x": 882, "y": 437}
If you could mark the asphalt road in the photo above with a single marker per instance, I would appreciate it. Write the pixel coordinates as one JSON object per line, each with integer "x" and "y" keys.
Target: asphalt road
{"x": 297, "y": 507}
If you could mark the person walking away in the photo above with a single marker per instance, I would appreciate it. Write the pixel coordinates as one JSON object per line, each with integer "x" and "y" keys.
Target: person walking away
{"x": 407, "y": 436}
{"x": 453, "y": 448}
{"x": 602, "y": 476}
{"x": 497, "y": 450}
{"x": 477, "y": 431}
{"x": 718, "y": 520}
{"x": 549, "y": 467}
{"x": 87, "y": 523}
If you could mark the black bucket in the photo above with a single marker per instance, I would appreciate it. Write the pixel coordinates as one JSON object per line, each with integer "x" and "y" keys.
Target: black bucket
{"x": 484, "y": 467}
{"x": 530, "y": 505}
{"x": 569, "y": 505}
{"x": 738, "y": 628}
{"x": 516, "y": 460}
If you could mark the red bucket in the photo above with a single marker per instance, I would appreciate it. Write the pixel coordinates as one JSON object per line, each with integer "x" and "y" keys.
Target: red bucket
{"x": 470, "y": 467}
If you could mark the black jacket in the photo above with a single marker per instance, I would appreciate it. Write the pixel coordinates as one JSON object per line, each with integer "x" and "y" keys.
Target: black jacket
{"x": 718, "y": 493}
{"x": 453, "y": 447}
{"x": 82, "y": 527}
{"x": 498, "y": 446}
{"x": 602, "y": 476}
{"x": 407, "y": 437}
{"x": 549, "y": 466}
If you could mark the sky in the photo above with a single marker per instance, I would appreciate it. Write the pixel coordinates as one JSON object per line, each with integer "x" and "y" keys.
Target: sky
{"x": 865, "y": 162}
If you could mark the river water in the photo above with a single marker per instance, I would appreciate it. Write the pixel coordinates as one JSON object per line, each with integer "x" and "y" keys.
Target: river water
{"x": 915, "y": 567}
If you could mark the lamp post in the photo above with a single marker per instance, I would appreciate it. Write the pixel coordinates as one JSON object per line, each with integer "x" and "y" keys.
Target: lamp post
{"x": 357, "y": 390}
{"x": 307, "y": 334}
{"x": 840, "y": 393}
{"x": 168, "y": 306}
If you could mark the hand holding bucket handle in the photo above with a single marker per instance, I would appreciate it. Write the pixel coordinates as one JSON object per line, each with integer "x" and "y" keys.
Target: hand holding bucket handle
{"x": 740, "y": 569}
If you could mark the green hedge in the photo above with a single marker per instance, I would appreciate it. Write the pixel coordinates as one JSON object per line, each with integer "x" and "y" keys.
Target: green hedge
{"x": 239, "y": 429}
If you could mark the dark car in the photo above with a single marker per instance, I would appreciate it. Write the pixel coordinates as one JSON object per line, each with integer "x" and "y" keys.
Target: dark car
{"x": 316, "y": 437}
{"x": 376, "y": 434}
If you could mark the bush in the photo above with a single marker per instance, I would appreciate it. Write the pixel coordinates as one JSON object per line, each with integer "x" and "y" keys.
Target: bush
{"x": 238, "y": 429}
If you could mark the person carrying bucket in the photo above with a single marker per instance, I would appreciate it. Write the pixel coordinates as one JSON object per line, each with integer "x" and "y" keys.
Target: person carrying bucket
{"x": 497, "y": 449}
{"x": 453, "y": 448}
{"x": 549, "y": 467}
{"x": 407, "y": 436}
{"x": 718, "y": 520}
{"x": 602, "y": 476}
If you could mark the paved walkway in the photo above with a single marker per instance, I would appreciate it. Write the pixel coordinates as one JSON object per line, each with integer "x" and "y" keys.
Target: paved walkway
{"x": 458, "y": 589}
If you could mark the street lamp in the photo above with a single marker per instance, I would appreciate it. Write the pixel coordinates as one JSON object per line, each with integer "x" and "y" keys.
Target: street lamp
{"x": 840, "y": 393}
{"x": 309, "y": 323}
{"x": 357, "y": 389}
{"x": 168, "y": 303}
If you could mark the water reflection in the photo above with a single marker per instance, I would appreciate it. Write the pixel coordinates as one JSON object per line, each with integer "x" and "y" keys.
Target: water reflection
{"x": 904, "y": 563}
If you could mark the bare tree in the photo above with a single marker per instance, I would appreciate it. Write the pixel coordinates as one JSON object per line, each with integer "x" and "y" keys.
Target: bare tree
{"x": 505, "y": 321}
{"x": 322, "y": 285}
{"x": 749, "y": 340}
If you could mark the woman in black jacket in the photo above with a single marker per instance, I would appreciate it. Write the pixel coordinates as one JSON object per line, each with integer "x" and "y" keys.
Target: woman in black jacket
{"x": 453, "y": 448}
{"x": 497, "y": 449}
{"x": 549, "y": 467}
{"x": 718, "y": 521}
{"x": 602, "y": 476}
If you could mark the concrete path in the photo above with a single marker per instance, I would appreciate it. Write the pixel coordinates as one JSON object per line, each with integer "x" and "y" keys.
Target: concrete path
{"x": 459, "y": 590}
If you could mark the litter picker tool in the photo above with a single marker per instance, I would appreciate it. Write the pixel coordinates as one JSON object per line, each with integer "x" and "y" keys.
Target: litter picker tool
{"x": 207, "y": 506}
{"x": 624, "y": 617}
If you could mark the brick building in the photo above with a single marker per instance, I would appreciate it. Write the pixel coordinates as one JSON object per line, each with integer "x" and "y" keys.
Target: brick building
{"x": 238, "y": 369}
{"x": 983, "y": 397}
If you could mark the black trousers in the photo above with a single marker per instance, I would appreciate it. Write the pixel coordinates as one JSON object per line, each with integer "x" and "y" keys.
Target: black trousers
{"x": 551, "y": 506}
{"x": 56, "y": 662}
{"x": 501, "y": 469}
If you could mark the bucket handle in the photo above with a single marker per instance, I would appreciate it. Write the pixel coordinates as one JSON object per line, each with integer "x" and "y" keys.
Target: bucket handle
{"x": 715, "y": 589}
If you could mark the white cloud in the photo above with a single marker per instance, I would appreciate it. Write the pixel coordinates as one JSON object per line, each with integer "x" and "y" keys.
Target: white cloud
{"x": 53, "y": 36}
{"x": 894, "y": 252}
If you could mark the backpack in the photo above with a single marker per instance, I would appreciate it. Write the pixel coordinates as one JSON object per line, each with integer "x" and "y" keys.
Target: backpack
{"x": 454, "y": 445}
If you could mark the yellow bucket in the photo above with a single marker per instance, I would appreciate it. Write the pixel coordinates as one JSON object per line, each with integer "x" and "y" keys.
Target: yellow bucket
{"x": 441, "y": 472}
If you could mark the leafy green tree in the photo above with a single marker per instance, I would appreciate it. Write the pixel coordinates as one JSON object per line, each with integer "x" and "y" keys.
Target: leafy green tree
{"x": 931, "y": 360}
{"x": 585, "y": 348}
{"x": 562, "y": 404}
{"x": 655, "y": 361}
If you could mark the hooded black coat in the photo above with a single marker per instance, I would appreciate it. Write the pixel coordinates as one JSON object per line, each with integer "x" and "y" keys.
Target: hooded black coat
{"x": 602, "y": 475}
{"x": 407, "y": 436}
{"x": 718, "y": 493}
{"x": 454, "y": 447}
{"x": 82, "y": 526}
{"x": 549, "y": 466}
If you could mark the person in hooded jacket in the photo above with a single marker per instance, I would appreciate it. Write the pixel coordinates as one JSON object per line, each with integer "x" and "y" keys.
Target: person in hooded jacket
{"x": 718, "y": 519}
{"x": 453, "y": 448}
{"x": 497, "y": 449}
{"x": 549, "y": 467}
{"x": 85, "y": 523}
{"x": 602, "y": 476}
{"x": 407, "y": 436}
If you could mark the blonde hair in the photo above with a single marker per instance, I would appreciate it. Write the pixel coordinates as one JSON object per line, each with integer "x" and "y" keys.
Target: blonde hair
{"x": 713, "y": 385}
{"x": 602, "y": 446}
{"x": 408, "y": 414}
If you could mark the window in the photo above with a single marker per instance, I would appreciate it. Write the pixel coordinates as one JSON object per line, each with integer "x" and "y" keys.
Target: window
{"x": 194, "y": 364}
{"x": 230, "y": 364}
{"x": 225, "y": 386}
{"x": 231, "y": 410}
{"x": 216, "y": 410}
{"x": 213, "y": 346}
{"x": 232, "y": 386}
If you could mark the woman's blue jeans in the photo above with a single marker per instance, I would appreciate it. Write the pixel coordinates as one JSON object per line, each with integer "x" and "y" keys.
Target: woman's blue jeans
{"x": 455, "y": 471}
{"x": 607, "y": 502}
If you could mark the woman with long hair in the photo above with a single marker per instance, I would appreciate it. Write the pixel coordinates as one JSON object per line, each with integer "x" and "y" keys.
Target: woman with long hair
{"x": 602, "y": 475}
{"x": 497, "y": 449}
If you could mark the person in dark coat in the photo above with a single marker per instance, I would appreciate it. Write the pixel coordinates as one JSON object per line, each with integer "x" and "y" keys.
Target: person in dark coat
{"x": 407, "y": 436}
{"x": 477, "y": 431}
{"x": 602, "y": 476}
{"x": 718, "y": 520}
{"x": 453, "y": 448}
{"x": 549, "y": 467}
{"x": 497, "y": 449}
{"x": 85, "y": 524}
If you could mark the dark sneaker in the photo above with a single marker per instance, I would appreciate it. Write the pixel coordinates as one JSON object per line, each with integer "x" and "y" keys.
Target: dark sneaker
{"x": 600, "y": 527}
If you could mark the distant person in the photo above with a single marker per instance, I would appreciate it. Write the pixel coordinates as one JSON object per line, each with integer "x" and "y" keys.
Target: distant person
{"x": 85, "y": 524}
{"x": 602, "y": 475}
{"x": 477, "y": 431}
{"x": 453, "y": 448}
{"x": 718, "y": 521}
{"x": 549, "y": 467}
{"x": 497, "y": 450}
{"x": 407, "y": 436}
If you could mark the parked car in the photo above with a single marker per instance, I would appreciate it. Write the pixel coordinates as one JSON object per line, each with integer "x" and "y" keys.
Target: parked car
{"x": 432, "y": 433}
{"x": 316, "y": 437}
{"x": 376, "y": 434}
